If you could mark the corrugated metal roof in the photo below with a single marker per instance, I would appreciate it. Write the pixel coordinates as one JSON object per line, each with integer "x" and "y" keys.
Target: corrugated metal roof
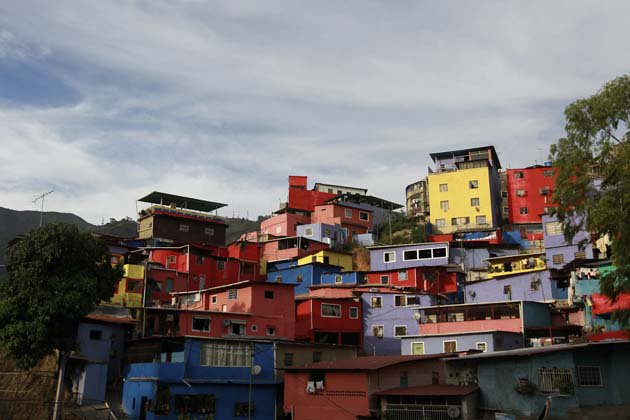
{"x": 180, "y": 201}
{"x": 431, "y": 390}
{"x": 369, "y": 362}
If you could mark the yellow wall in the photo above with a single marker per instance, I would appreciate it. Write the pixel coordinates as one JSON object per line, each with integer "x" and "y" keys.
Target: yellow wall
{"x": 134, "y": 271}
{"x": 130, "y": 300}
{"x": 458, "y": 197}
{"x": 334, "y": 258}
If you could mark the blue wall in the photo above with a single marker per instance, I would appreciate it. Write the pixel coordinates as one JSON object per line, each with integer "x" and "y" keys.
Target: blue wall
{"x": 377, "y": 263}
{"x": 347, "y": 277}
{"x": 311, "y": 275}
{"x": 491, "y": 290}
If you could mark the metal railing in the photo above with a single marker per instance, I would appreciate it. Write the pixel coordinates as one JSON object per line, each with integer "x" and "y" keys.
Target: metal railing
{"x": 422, "y": 412}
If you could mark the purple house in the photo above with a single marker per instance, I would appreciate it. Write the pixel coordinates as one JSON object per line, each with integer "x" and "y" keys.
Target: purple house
{"x": 534, "y": 286}
{"x": 397, "y": 257}
{"x": 560, "y": 252}
{"x": 388, "y": 315}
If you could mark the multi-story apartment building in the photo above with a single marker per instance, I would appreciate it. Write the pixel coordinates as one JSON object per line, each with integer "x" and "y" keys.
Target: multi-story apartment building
{"x": 464, "y": 190}
{"x": 417, "y": 196}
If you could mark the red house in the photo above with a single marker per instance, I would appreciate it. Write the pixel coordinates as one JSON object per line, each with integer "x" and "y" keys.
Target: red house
{"x": 432, "y": 280}
{"x": 355, "y": 221}
{"x": 290, "y": 248}
{"x": 530, "y": 193}
{"x": 331, "y": 316}
{"x": 243, "y": 309}
{"x": 302, "y": 199}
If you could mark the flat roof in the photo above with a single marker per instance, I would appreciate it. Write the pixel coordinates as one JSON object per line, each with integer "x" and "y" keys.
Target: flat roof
{"x": 180, "y": 201}
{"x": 431, "y": 390}
{"x": 460, "y": 152}
{"x": 323, "y": 184}
{"x": 404, "y": 245}
{"x": 367, "y": 199}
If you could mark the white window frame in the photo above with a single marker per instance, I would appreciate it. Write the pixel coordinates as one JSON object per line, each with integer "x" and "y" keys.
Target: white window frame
{"x": 417, "y": 342}
{"x": 393, "y": 254}
{"x": 448, "y": 341}
{"x": 403, "y": 301}
{"x": 485, "y": 343}
{"x": 444, "y": 205}
{"x": 338, "y": 279}
{"x": 308, "y": 231}
{"x": 443, "y": 187}
{"x": 401, "y": 326}
{"x": 440, "y": 223}
{"x": 350, "y": 312}
{"x": 380, "y": 298}
{"x": 382, "y": 328}
{"x": 331, "y": 316}
{"x": 347, "y": 213}
{"x": 192, "y": 326}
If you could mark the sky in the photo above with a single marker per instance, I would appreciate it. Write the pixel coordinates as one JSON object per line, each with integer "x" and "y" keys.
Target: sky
{"x": 106, "y": 101}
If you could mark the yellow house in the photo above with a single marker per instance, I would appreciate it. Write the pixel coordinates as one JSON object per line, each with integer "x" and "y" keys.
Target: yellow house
{"x": 515, "y": 264}
{"x": 462, "y": 199}
{"x": 129, "y": 290}
{"x": 327, "y": 256}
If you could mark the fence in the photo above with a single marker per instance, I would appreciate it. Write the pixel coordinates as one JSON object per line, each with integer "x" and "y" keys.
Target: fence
{"x": 422, "y": 412}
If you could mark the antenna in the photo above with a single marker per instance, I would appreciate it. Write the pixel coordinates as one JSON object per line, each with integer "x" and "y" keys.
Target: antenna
{"x": 41, "y": 197}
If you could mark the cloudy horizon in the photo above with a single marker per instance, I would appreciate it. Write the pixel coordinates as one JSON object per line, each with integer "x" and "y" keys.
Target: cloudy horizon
{"x": 105, "y": 102}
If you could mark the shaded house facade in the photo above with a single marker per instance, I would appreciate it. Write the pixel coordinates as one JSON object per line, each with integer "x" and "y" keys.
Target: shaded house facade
{"x": 484, "y": 341}
{"x": 435, "y": 280}
{"x": 200, "y": 377}
{"x": 290, "y": 248}
{"x": 302, "y": 277}
{"x": 329, "y": 318}
{"x": 353, "y": 221}
{"x": 361, "y": 388}
{"x": 285, "y": 224}
{"x": 334, "y": 235}
{"x": 582, "y": 380}
{"x": 558, "y": 251}
{"x": 530, "y": 193}
{"x": 400, "y": 257}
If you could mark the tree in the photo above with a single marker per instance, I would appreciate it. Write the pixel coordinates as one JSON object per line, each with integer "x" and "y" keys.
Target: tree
{"x": 56, "y": 275}
{"x": 593, "y": 183}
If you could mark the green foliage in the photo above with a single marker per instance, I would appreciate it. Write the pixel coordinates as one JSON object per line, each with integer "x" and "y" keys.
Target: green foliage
{"x": 593, "y": 184}
{"x": 404, "y": 230}
{"x": 56, "y": 275}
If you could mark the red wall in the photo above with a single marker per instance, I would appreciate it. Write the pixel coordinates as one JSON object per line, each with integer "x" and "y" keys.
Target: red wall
{"x": 272, "y": 253}
{"x": 309, "y": 318}
{"x": 445, "y": 282}
{"x": 327, "y": 404}
{"x": 533, "y": 180}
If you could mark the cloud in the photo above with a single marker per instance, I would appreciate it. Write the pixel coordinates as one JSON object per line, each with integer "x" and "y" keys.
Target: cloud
{"x": 224, "y": 100}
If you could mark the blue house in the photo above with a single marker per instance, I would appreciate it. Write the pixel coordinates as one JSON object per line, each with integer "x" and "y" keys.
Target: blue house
{"x": 388, "y": 315}
{"x": 302, "y": 276}
{"x": 201, "y": 378}
{"x": 347, "y": 277}
{"x": 587, "y": 380}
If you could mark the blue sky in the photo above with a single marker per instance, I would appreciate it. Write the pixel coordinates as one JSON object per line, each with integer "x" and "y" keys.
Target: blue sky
{"x": 105, "y": 101}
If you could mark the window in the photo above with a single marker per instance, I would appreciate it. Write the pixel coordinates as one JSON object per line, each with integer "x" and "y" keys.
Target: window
{"x": 169, "y": 285}
{"x": 232, "y": 294}
{"x": 209, "y": 231}
{"x": 339, "y": 192}
{"x": 460, "y": 221}
{"x": 171, "y": 259}
{"x": 558, "y": 259}
{"x": 279, "y": 229}
{"x": 237, "y": 327}
{"x": 518, "y": 175}
{"x": 402, "y": 275}
{"x": 254, "y": 328}
{"x": 385, "y": 279}
{"x": 377, "y": 302}
{"x": 444, "y": 205}
{"x": 439, "y": 252}
{"x": 521, "y": 193}
{"x": 507, "y": 290}
{"x": 200, "y": 323}
{"x": 271, "y": 331}
{"x": 474, "y": 202}
{"x": 400, "y": 330}
{"x": 364, "y": 215}
{"x": 534, "y": 285}
{"x": 347, "y": 213}
{"x": 553, "y": 228}
{"x": 504, "y": 194}
{"x": 589, "y": 376}
{"x": 413, "y": 300}
{"x": 184, "y": 228}
{"x": 199, "y": 259}
{"x": 430, "y": 276}
{"x": 96, "y": 335}
{"x": 213, "y": 299}
{"x": 278, "y": 278}
{"x": 410, "y": 255}
{"x": 417, "y": 348}
{"x": 483, "y": 346}
{"x": 288, "y": 359}
{"x": 549, "y": 173}
{"x": 134, "y": 286}
{"x": 330, "y": 190}
{"x": 473, "y": 184}
{"x": 481, "y": 220}
{"x": 440, "y": 223}
{"x": 220, "y": 265}
{"x": 354, "y": 312}
{"x": 449, "y": 346}
{"x": 389, "y": 257}
{"x": 400, "y": 300}
{"x": 506, "y": 210}
{"x": 523, "y": 210}
{"x": 268, "y": 294}
{"x": 308, "y": 231}
{"x": 299, "y": 278}
{"x": 330, "y": 310}
{"x": 555, "y": 380}
{"x": 377, "y": 331}
{"x": 443, "y": 187}
{"x": 317, "y": 356}
{"x": 580, "y": 255}
{"x": 242, "y": 409}
{"x": 338, "y": 279}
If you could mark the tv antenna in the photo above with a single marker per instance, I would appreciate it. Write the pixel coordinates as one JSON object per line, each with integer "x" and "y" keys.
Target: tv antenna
{"x": 42, "y": 197}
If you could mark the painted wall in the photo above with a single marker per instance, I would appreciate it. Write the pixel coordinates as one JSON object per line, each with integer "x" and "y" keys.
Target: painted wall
{"x": 164, "y": 226}
{"x": 531, "y": 182}
{"x": 323, "y": 233}
{"x": 327, "y": 256}
{"x": 555, "y": 244}
{"x": 309, "y": 318}
{"x": 303, "y": 276}
{"x": 335, "y": 214}
{"x": 537, "y": 286}
{"x": 283, "y": 224}
{"x": 494, "y": 341}
{"x": 377, "y": 262}
{"x": 347, "y": 277}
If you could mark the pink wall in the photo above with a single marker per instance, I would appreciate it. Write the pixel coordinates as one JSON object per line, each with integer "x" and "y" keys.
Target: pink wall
{"x": 286, "y": 223}
{"x": 513, "y": 325}
{"x": 335, "y": 214}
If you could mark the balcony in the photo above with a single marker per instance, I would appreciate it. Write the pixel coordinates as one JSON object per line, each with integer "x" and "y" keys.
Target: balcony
{"x": 453, "y": 319}
{"x": 515, "y": 264}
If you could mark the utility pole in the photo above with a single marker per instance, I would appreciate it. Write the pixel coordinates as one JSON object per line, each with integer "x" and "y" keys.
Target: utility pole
{"x": 41, "y": 197}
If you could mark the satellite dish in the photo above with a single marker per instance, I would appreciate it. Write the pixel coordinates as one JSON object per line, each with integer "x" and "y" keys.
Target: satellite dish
{"x": 453, "y": 411}
{"x": 256, "y": 369}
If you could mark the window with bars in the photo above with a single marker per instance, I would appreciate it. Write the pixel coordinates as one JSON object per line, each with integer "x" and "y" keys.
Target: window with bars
{"x": 555, "y": 381}
{"x": 558, "y": 259}
{"x": 580, "y": 255}
{"x": 589, "y": 376}
{"x": 232, "y": 294}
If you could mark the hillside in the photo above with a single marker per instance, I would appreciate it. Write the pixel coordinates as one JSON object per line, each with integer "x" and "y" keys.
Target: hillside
{"x": 16, "y": 222}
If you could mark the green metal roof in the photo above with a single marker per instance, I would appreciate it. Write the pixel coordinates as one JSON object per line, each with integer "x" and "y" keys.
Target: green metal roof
{"x": 180, "y": 201}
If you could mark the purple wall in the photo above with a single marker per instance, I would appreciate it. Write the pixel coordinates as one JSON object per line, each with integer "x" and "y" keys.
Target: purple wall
{"x": 377, "y": 262}
{"x": 388, "y": 315}
{"x": 495, "y": 341}
{"x": 491, "y": 290}
{"x": 556, "y": 245}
